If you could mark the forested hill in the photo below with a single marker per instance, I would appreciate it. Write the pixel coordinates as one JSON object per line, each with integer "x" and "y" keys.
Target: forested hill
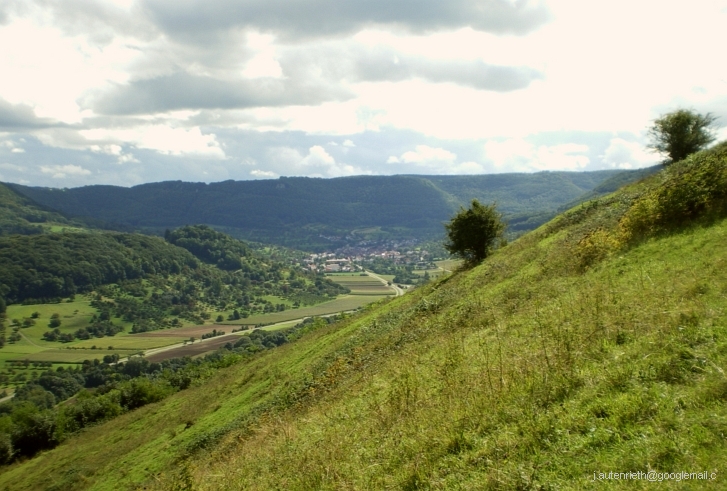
{"x": 211, "y": 246}
{"x": 286, "y": 209}
{"x": 58, "y": 265}
{"x": 20, "y": 215}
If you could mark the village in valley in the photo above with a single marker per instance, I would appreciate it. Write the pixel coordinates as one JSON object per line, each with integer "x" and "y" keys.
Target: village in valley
{"x": 352, "y": 259}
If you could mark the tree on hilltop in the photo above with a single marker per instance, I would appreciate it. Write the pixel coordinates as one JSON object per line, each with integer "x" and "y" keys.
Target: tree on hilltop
{"x": 473, "y": 233}
{"x": 681, "y": 133}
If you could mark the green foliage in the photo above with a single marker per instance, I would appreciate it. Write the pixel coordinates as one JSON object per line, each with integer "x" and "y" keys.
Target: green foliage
{"x": 473, "y": 233}
{"x": 6, "y": 448}
{"x": 33, "y": 429}
{"x": 58, "y": 265}
{"x": 87, "y": 410}
{"x": 20, "y": 215}
{"x": 681, "y": 133}
{"x": 141, "y": 391}
{"x": 687, "y": 191}
{"x": 210, "y": 246}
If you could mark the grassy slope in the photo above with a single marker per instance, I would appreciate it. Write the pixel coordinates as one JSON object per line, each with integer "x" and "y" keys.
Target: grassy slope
{"x": 547, "y": 363}
{"x": 513, "y": 377}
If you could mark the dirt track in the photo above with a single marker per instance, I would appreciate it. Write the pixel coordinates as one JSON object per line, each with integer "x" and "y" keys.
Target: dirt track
{"x": 192, "y": 349}
{"x": 181, "y": 332}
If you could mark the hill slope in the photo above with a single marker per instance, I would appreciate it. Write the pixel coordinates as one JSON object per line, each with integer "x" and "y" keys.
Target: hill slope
{"x": 596, "y": 343}
{"x": 296, "y": 210}
{"x": 20, "y": 215}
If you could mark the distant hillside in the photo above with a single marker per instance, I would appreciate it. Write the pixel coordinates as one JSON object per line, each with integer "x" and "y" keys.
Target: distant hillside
{"x": 20, "y": 215}
{"x": 295, "y": 211}
{"x": 596, "y": 344}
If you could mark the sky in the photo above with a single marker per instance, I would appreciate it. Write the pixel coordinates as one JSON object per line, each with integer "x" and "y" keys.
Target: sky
{"x": 125, "y": 92}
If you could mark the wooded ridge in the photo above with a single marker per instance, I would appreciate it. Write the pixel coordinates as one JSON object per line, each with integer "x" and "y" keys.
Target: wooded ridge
{"x": 295, "y": 211}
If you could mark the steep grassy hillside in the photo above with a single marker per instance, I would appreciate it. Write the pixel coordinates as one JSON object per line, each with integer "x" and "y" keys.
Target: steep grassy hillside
{"x": 295, "y": 211}
{"x": 596, "y": 343}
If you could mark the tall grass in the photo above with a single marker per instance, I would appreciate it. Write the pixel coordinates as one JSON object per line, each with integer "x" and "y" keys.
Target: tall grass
{"x": 577, "y": 349}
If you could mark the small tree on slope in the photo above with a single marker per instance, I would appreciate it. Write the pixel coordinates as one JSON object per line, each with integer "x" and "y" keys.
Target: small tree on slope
{"x": 681, "y": 133}
{"x": 473, "y": 233}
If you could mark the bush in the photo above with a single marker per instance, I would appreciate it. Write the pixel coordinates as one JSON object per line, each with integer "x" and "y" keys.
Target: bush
{"x": 55, "y": 321}
{"x": 693, "y": 188}
{"x": 6, "y": 449}
{"x": 91, "y": 410}
{"x": 473, "y": 233}
{"x": 33, "y": 429}
{"x": 142, "y": 391}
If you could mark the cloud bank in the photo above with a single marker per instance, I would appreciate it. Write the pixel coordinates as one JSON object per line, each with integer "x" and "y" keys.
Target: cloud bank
{"x": 130, "y": 91}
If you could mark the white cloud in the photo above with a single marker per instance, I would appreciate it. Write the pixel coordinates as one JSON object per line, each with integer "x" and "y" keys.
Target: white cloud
{"x": 11, "y": 145}
{"x": 469, "y": 168}
{"x": 428, "y": 157}
{"x": 107, "y": 149}
{"x": 317, "y": 163}
{"x": 434, "y": 160}
{"x": 264, "y": 62}
{"x": 127, "y": 158}
{"x": 52, "y": 70}
{"x": 117, "y": 151}
{"x": 161, "y": 138}
{"x": 595, "y": 81}
{"x": 61, "y": 171}
{"x": 622, "y": 154}
{"x": 263, "y": 174}
{"x": 519, "y": 155}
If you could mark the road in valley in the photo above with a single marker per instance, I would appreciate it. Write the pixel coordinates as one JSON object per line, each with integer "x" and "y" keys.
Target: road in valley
{"x": 399, "y": 291}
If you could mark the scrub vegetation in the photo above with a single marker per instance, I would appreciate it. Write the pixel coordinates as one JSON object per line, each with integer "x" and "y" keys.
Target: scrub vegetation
{"x": 595, "y": 343}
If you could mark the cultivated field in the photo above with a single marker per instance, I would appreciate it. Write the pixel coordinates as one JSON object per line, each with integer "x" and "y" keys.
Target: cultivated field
{"x": 281, "y": 325}
{"x": 73, "y": 316}
{"x": 78, "y": 313}
{"x": 448, "y": 264}
{"x": 362, "y": 285}
{"x": 193, "y": 349}
{"x": 63, "y": 355}
{"x": 134, "y": 341}
{"x": 341, "y": 304}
